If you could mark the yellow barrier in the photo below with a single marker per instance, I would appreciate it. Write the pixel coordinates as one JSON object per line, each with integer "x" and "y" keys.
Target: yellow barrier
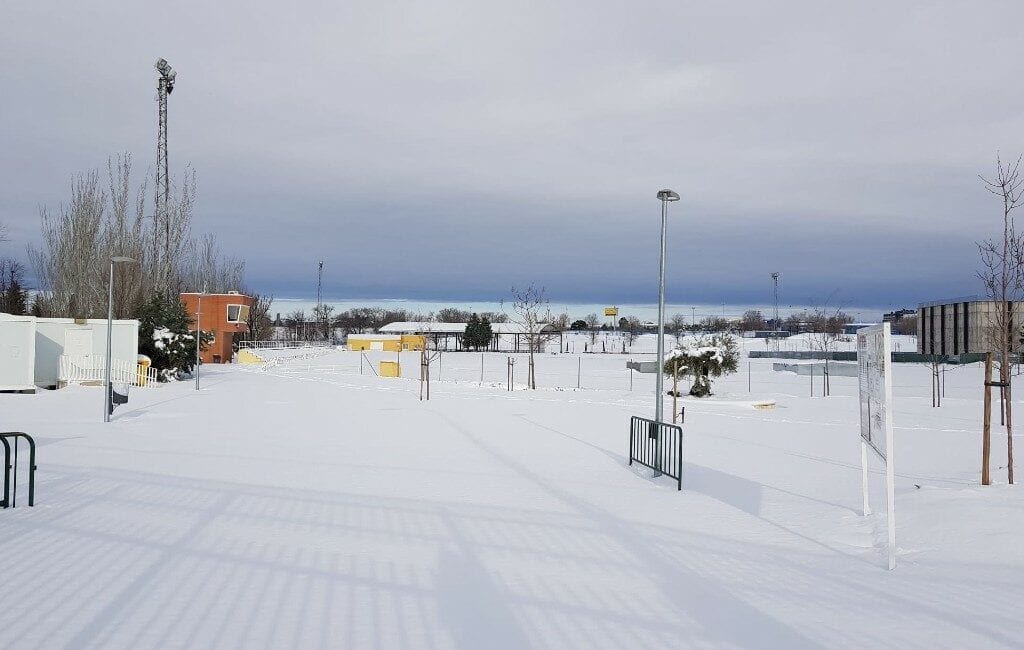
{"x": 143, "y": 367}
{"x": 248, "y": 356}
{"x": 390, "y": 369}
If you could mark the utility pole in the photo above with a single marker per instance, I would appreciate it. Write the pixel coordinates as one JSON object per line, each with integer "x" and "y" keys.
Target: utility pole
{"x": 161, "y": 218}
{"x": 319, "y": 297}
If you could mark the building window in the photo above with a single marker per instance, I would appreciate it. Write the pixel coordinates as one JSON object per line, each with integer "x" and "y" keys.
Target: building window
{"x": 238, "y": 313}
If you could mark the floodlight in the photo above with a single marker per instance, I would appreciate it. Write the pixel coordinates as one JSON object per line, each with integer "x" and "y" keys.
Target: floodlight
{"x": 161, "y": 65}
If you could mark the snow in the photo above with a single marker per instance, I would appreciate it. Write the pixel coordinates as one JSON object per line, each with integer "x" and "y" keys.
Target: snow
{"x": 303, "y": 504}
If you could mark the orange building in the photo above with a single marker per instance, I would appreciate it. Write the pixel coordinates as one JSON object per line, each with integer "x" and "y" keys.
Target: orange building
{"x": 224, "y": 314}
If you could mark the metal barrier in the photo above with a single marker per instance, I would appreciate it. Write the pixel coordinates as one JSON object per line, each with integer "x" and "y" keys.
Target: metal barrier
{"x": 282, "y": 345}
{"x": 897, "y": 357}
{"x": 10, "y": 492}
{"x": 657, "y": 445}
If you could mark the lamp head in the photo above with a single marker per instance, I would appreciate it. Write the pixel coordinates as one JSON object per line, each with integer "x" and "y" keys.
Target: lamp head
{"x": 667, "y": 195}
{"x": 126, "y": 260}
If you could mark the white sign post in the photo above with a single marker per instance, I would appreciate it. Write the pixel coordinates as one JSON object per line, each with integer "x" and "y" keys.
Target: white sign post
{"x": 874, "y": 361}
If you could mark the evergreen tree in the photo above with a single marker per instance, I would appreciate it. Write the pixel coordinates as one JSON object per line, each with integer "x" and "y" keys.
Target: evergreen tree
{"x": 484, "y": 339}
{"x": 478, "y": 332}
{"x": 166, "y": 336}
{"x": 13, "y": 297}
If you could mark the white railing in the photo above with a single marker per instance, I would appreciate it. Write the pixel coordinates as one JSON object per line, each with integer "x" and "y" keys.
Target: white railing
{"x": 312, "y": 354}
{"x": 282, "y": 345}
{"x": 92, "y": 369}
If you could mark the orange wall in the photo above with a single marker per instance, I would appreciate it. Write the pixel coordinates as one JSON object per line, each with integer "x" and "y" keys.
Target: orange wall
{"x": 214, "y": 318}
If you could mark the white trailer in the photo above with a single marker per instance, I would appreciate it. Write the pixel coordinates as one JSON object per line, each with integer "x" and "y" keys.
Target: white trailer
{"x": 84, "y": 340}
{"x": 17, "y": 353}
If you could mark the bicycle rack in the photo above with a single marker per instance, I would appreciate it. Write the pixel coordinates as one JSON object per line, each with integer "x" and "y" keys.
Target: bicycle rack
{"x": 10, "y": 493}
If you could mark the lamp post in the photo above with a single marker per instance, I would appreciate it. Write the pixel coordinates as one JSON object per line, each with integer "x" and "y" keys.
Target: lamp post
{"x": 199, "y": 331}
{"x": 110, "y": 326}
{"x": 665, "y": 196}
{"x": 693, "y": 318}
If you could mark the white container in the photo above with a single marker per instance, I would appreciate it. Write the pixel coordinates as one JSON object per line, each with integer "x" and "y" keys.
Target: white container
{"x": 17, "y": 353}
{"x": 81, "y": 338}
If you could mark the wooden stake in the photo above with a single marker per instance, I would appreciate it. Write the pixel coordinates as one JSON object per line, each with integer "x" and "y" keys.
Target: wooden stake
{"x": 675, "y": 390}
{"x": 986, "y": 430}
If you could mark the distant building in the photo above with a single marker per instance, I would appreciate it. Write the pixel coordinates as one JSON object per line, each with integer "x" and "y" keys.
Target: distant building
{"x": 766, "y": 334}
{"x": 851, "y": 328}
{"x": 505, "y": 337}
{"x": 898, "y": 315}
{"x": 963, "y": 326}
{"x": 223, "y": 314}
{"x": 385, "y": 342}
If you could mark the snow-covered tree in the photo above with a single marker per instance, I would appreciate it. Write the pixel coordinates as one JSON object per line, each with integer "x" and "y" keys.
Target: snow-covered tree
{"x": 702, "y": 359}
{"x": 166, "y": 336}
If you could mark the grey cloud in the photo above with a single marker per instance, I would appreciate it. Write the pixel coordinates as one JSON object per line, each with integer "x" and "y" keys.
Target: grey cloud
{"x": 447, "y": 148}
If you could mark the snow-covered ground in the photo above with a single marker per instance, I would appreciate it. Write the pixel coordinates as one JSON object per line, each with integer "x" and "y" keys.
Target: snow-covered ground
{"x": 310, "y": 503}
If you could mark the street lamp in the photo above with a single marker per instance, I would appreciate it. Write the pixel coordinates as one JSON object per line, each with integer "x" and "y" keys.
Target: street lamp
{"x": 199, "y": 331}
{"x": 665, "y": 196}
{"x": 110, "y": 327}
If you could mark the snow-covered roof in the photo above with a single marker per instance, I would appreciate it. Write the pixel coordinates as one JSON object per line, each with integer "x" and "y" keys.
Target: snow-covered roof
{"x": 414, "y": 327}
{"x": 420, "y": 327}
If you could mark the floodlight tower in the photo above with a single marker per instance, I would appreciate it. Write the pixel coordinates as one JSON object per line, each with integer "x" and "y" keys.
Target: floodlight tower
{"x": 161, "y": 220}
{"x": 319, "y": 297}
{"x": 775, "y": 282}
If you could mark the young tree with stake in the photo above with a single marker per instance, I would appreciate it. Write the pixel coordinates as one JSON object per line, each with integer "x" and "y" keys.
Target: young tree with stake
{"x": 1002, "y": 273}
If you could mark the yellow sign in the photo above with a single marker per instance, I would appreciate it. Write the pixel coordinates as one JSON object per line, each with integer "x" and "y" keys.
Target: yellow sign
{"x": 611, "y": 311}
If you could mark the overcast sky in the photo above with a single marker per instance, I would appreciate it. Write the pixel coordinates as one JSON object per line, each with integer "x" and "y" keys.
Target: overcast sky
{"x": 452, "y": 149}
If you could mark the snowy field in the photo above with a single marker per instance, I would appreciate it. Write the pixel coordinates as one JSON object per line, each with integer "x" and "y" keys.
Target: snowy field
{"x": 310, "y": 503}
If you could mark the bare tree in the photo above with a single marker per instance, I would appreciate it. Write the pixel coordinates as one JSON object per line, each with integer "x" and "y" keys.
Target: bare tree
{"x": 97, "y": 223}
{"x": 297, "y": 324}
{"x": 593, "y": 323}
{"x": 1002, "y": 274}
{"x": 428, "y": 354}
{"x": 68, "y": 265}
{"x": 906, "y": 326}
{"x": 452, "y": 315}
{"x": 261, "y": 328}
{"x": 752, "y": 320}
{"x": 714, "y": 324}
{"x": 677, "y": 325}
{"x": 172, "y": 237}
{"x": 632, "y": 329}
{"x": 530, "y": 311}
{"x": 937, "y": 366}
{"x": 205, "y": 267}
{"x": 322, "y": 317}
{"x": 826, "y": 327}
